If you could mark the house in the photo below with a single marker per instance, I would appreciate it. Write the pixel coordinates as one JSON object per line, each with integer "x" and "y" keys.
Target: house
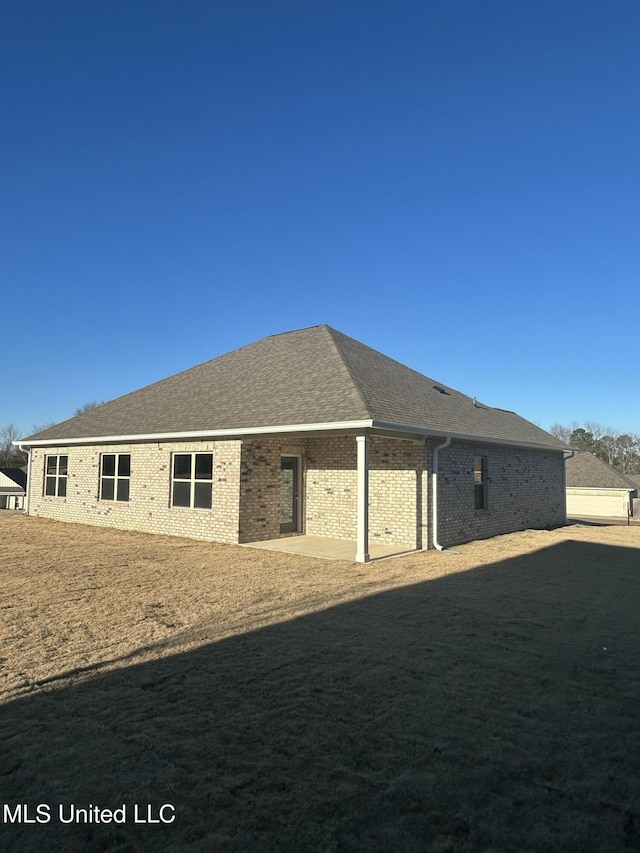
{"x": 596, "y": 489}
{"x": 13, "y": 483}
{"x": 305, "y": 432}
{"x": 635, "y": 480}
{"x": 635, "y": 503}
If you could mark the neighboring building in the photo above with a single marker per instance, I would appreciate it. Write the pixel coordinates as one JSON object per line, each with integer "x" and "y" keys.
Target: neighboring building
{"x": 596, "y": 489}
{"x": 635, "y": 503}
{"x": 13, "y": 484}
{"x": 307, "y": 432}
{"x": 635, "y": 479}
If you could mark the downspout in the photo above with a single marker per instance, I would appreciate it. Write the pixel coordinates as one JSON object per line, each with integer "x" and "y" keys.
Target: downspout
{"x": 434, "y": 492}
{"x": 25, "y": 510}
{"x": 572, "y": 453}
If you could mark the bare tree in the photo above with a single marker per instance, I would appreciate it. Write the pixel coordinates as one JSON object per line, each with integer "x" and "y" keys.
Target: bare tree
{"x": 88, "y": 407}
{"x": 41, "y": 427}
{"x": 627, "y": 450}
{"x": 634, "y": 459}
{"x": 561, "y": 432}
{"x": 609, "y": 445}
{"x": 596, "y": 429}
{"x": 9, "y": 454}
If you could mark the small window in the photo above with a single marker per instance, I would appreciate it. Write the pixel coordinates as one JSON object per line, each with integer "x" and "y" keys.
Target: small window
{"x": 55, "y": 481}
{"x": 115, "y": 476}
{"x": 480, "y": 481}
{"x": 192, "y": 485}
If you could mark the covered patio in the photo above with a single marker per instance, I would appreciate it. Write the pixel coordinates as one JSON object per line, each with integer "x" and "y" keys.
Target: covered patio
{"x": 329, "y": 549}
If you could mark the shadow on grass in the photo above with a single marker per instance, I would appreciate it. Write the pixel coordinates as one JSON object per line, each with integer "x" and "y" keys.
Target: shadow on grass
{"x": 495, "y": 709}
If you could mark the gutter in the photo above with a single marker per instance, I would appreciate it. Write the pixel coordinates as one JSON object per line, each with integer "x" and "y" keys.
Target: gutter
{"x": 26, "y": 449}
{"x": 332, "y": 426}
{"x": 572, "y": 453}
{"x": 197, "y": 434}
{"x": 461, "y": 436}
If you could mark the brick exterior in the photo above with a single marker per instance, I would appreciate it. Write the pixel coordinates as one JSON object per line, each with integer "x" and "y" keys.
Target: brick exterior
{"x": 525, "y": 489}
{"x": 397, "y": 490}
{"x": 329, "y": 489}
{"x": 260, "y": 487}
{"x": 148, "y": 509}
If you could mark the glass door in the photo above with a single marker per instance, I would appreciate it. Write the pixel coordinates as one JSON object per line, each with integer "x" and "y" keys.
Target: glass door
{"x": 289, "y": 488}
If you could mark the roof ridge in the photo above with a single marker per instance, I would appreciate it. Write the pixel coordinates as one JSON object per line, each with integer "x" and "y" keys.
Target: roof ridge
{"x": 289, "y": 332}
{"x": 331, "y": 333}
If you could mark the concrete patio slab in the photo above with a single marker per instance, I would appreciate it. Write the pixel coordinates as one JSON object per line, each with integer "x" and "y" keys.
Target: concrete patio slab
{"x": 327, "y": 549}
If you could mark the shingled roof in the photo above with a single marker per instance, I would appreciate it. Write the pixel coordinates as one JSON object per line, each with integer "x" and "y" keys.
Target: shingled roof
{"x": 306, "y": 378}
{"x": 586, "y": 471}
{"x": 17, "y": 476}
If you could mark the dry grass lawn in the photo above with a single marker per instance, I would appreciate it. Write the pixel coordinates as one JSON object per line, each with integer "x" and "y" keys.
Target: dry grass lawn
{"x": 482, "y": 701}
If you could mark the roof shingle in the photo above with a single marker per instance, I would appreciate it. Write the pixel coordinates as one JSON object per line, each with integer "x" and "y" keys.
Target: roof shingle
{"x": 310, "y": 376}
{"x": 17, "y": 475}
{"x": 586, "y": 471}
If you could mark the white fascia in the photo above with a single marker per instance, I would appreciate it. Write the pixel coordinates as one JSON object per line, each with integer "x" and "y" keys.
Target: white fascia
{"x": 341, "y": 426}
{"x": 334, "y": 426}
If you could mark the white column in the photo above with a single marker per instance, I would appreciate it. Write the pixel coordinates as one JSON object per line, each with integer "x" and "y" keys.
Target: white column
{"x": 362, "y": 547}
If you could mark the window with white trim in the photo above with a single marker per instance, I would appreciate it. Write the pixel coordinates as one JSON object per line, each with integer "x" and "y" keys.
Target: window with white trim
{"x": 115, "y": 476}
{"x": 192, "y": 480}
{"x": 55, "y": 480}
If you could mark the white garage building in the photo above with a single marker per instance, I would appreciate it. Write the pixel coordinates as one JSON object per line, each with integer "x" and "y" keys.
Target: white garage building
{"x": 13, "y": 483}
{"x": 596, "y": 489}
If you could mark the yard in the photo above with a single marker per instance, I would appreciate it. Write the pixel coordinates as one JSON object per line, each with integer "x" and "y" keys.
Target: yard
{"x": 481, "y": 701}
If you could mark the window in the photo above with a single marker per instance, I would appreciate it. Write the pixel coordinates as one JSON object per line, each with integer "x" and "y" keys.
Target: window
{"x": 480, "y": 481}
{"x": 115, "y": 474}
{"x": 192, "y": 480}
{"x": 55, "y": 481}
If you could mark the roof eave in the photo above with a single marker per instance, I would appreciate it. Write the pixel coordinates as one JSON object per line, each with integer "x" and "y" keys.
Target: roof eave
{"x": 195, "y": 435}
{"x": 400, "y": 430}
{"x": 460, "y": 436}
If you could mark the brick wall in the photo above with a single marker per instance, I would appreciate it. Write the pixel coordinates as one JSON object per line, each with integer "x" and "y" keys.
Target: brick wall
{"x": 524, "y": 490}
{"x": 148, "y": 508}
{"x": 329, "y": 489}
{"x": 397, "y": 490}
{"x": 260, "y": 487}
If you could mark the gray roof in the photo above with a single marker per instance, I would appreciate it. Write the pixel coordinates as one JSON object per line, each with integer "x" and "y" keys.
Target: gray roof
{"x": 18, "y": 476}
{"x": 309, "y": 376}
{"x": 586, "y": 471}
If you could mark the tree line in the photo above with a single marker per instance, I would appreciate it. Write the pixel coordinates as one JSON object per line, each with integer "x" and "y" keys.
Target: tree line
{"x": 620, "y": 450}
{"x": 10, "y": 456}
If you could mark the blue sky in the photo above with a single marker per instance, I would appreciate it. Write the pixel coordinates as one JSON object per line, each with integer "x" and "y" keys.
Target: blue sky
{"x": 455, "y": 183}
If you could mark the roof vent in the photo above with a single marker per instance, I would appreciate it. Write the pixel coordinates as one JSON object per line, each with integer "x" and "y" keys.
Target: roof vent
{"x": 440, "y": 389}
